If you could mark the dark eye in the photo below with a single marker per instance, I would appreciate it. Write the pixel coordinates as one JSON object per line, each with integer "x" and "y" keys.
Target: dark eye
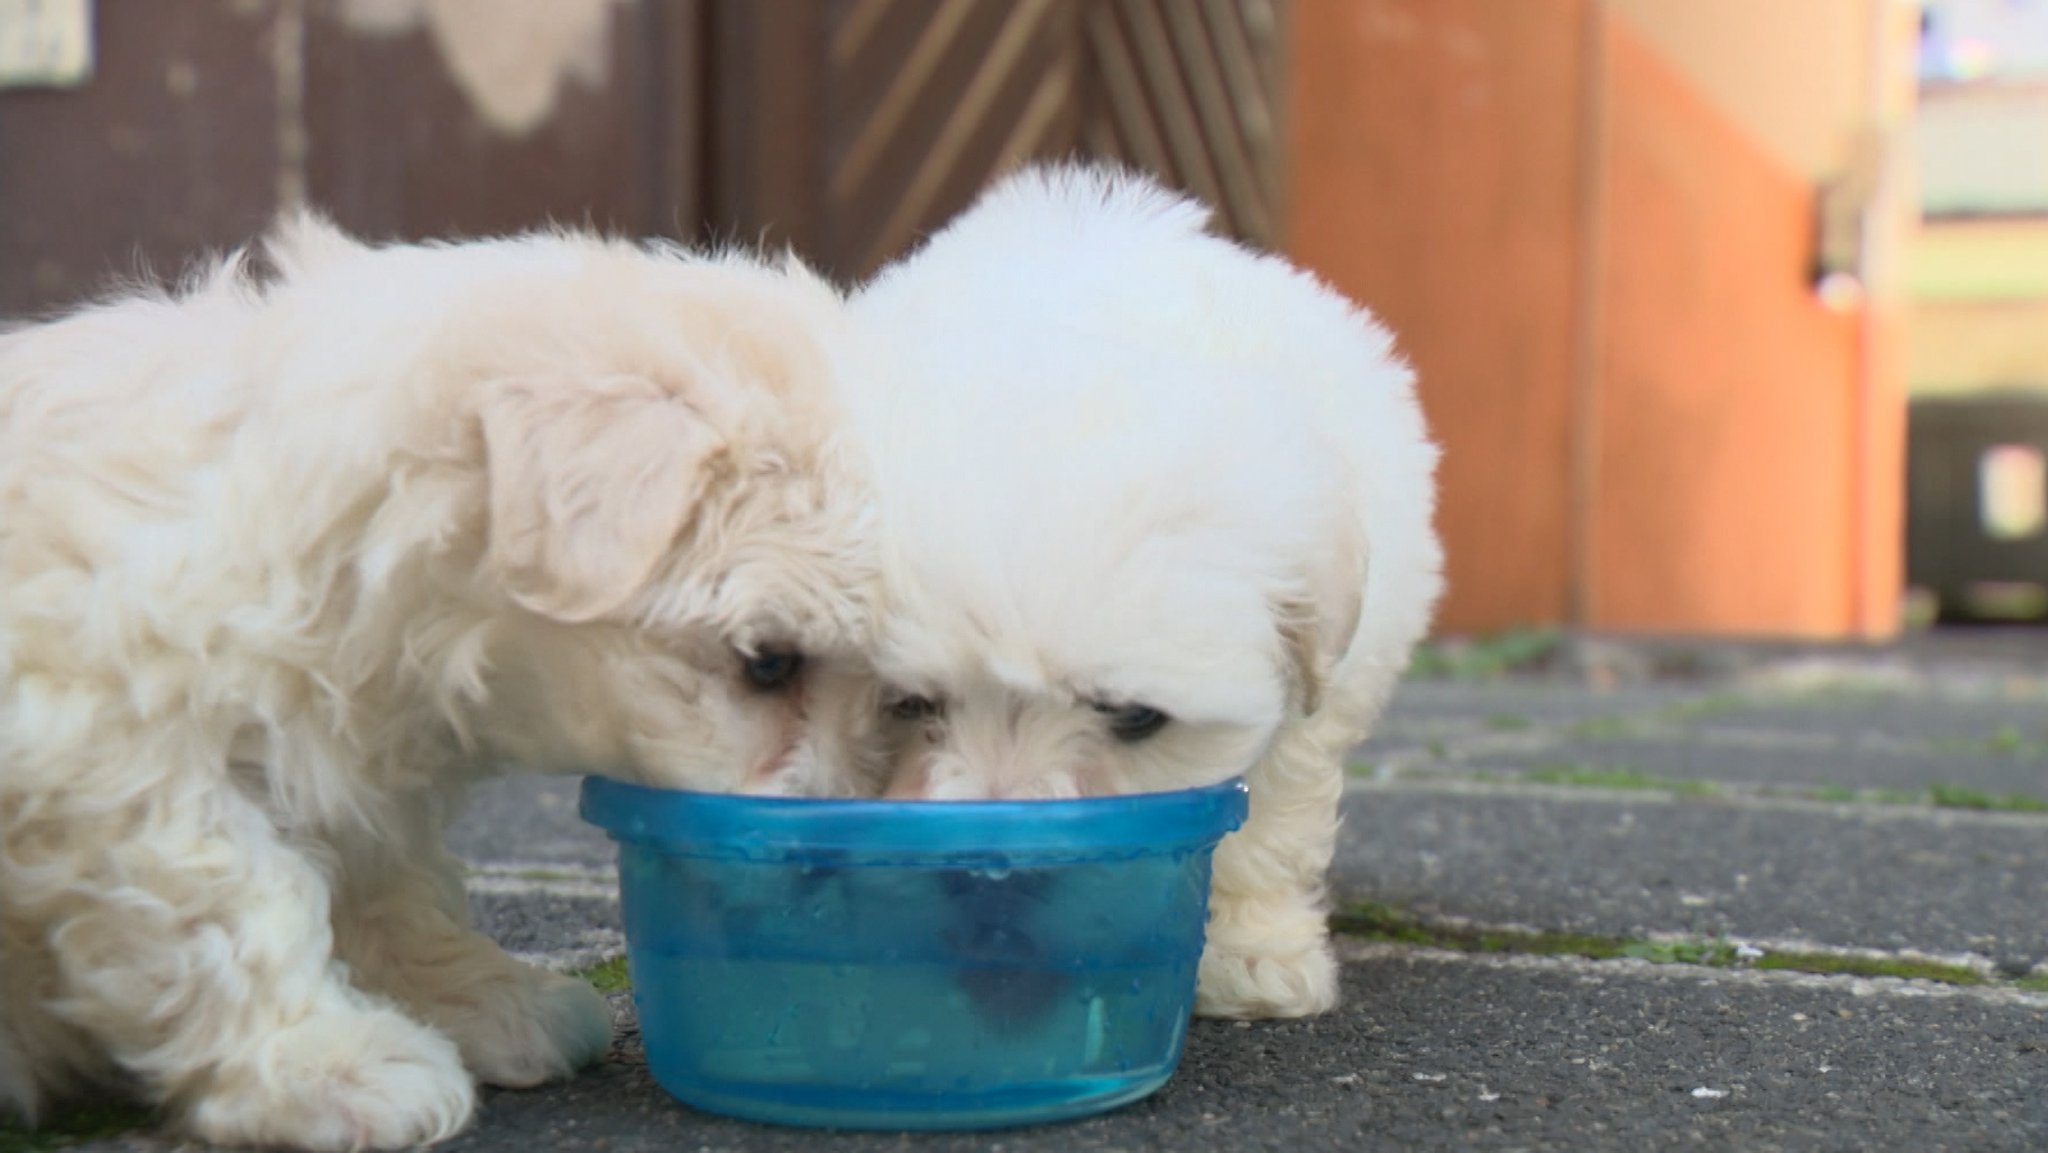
{"x": 1133, "y": 723}
{"x": 914, "y": 708}
{"x": 771, "y": 669}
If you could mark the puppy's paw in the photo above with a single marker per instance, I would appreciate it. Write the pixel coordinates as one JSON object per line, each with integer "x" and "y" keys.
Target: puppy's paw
{"x": 345, "y": 1078}
{"x": 1252, "y": 982}
{"x": 529, "y": 1026}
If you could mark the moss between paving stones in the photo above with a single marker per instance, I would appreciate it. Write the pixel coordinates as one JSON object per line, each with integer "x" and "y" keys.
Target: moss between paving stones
{"x": 1906, "y": 967}
{"x": 1703, "y": 708}
{"x": 1371, "y": 921}
{"x": 1375, "y": 922}
{"x": 1618, "y": 777}
{"x": 1624, "y": 778}
{"x": 609, "y": 976}
{"x": 1603, "y": 729}
{"x": 1488, "y": 658}
{"x": 2005, "y": 741}
{"x": 1959, "y": 797}
{"x": 75, "y": 1126}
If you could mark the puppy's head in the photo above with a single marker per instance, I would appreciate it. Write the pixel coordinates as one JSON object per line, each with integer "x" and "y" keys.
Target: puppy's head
{"x": 1130, "y": 496}
{"x": 673, "y": 558}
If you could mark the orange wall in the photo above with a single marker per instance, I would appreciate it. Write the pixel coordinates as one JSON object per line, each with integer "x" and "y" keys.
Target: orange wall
{"x": 1726, "y": 417}
{"x": 1436, "y": 182}
{"x": 1603, "y": 279}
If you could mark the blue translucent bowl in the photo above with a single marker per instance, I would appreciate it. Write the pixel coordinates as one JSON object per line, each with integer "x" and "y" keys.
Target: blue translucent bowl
{"x": 912, "y": 965}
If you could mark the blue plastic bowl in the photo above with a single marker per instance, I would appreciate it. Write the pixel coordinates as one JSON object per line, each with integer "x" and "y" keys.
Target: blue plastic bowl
{"x": 912, "y": 965}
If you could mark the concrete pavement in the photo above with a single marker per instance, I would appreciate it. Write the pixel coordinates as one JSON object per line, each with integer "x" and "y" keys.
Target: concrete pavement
{"x": 1616, "y": 896}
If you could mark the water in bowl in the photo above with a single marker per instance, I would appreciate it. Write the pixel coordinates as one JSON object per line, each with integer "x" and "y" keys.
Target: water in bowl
{"x": 905, "y": 1045}
{"x": 909, "y": 998}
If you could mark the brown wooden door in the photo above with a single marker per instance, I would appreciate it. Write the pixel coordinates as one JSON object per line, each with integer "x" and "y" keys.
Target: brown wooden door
{"x": 846, "y": 128}
{"x": 850, "y": 128}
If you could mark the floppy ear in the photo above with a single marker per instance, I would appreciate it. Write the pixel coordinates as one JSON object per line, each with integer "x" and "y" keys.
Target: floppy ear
{"x": 1317, "y": 626}
{"x": 590, "y": 484}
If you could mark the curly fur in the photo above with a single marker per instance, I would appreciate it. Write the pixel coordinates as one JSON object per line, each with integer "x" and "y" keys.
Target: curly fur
{"x": 291, "y": 554}
{"x": 1124, "y": 462}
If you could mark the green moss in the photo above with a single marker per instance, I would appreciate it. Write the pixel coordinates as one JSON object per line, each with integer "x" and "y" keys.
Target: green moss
{"x": 1371, "y": 921}
{"x": 2005, "y": 741}
{"x": 1838, "y": 964}
{"x": 1375, "y": 922}
{"x": 76, "y": 1125}
{"x": 1961, "y": 797}
{"x": 1617, "y": 777}
{"x": 609, "y": 977}
{"x": 1835, "y": 793}
{"x": 1602, "y": 729}
{"x": 556, "y": 875}
{"x": 1487, "y": 658}
{"x": 1507, "y": 722}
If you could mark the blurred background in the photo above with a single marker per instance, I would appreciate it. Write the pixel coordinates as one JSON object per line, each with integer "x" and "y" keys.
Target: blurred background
{"x": 1732, "y": 314}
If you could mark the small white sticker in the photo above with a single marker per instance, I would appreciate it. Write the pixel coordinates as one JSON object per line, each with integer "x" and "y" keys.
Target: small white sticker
{"x": 45, "y": 43}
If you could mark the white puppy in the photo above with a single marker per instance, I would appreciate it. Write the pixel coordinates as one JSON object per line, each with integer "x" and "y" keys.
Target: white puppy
{"x": 1157, "y": 511}
{"x": 288, "y": 557}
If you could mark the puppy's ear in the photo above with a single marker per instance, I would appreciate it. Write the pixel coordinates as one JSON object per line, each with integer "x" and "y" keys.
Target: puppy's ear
{"x": 590, "y": 484}
{"x": 1318, "y": 625}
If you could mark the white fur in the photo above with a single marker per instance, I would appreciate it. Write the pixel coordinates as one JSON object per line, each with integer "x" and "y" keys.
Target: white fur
{"x": 289, "y": 556}
{"x": 1120, "y": 462}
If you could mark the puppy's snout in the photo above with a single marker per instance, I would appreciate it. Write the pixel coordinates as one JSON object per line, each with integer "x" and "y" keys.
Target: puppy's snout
{"x": 939, "y": 777}
{"x": 913, "y": 783}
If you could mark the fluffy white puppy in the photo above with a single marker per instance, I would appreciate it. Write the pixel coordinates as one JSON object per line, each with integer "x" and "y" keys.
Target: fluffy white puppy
{"x": 1157, "y": 511}
{"x": 289, "y": 556}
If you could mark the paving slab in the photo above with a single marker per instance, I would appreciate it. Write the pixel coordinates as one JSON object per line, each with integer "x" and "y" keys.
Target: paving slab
{"x": 1441, "y": 1052}
{"x": 1437, "y": 1050}
{"x": 1849, "y": 875}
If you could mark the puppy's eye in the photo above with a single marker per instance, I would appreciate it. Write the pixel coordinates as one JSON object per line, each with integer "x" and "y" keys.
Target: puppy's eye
{"x": 771, "y": 670}
{"x": 914, "y": 708}
{"x": 1133, "y": 723}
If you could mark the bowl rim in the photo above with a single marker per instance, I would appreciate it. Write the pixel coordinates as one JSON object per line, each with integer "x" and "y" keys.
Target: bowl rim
{"x": 689, "y": 823}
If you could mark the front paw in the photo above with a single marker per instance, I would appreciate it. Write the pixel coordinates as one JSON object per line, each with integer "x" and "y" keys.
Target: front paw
{"x": 528, "y": 1026}
{"x": 344, "y": 1078}
{"x": 1256, "y": 981}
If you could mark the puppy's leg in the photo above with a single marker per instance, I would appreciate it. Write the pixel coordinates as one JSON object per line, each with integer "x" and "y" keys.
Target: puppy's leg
{"x": 19, "y": 1098}
{"x": 1268, "y": 952}
{"x": 192, "y": 944}
{"x": 43, "y": 1060}
{"x": 403, "y": 926}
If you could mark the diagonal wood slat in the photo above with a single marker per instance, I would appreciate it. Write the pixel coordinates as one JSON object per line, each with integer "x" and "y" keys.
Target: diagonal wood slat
{"x": 922, "y": 102}
{"x": 1024, "y": 22}
{"x": 1188, "y": 90}
{"x": 913, "y": 79}
{"x": 1243, "y": 201}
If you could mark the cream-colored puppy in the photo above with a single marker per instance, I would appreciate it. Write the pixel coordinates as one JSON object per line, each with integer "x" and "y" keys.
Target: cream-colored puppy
{"x": 1157, "y": 511}
{"x": 289, "y": 556}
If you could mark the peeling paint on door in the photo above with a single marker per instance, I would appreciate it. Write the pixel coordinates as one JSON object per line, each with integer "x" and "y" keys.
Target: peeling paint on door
{"x": 45, "y": 43}
{"x": 510, "y": 58}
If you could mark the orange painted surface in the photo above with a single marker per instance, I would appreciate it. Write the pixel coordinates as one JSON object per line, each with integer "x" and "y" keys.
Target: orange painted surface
{"x": 1435, "y": 182}
{"x": 1726, "y": 493}
{"x": 1879, "y": 566}
{"x": 1677, "y": 438}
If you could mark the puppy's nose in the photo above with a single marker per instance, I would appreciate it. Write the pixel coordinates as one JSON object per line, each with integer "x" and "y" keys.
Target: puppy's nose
{"x": 911, "y": 783}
